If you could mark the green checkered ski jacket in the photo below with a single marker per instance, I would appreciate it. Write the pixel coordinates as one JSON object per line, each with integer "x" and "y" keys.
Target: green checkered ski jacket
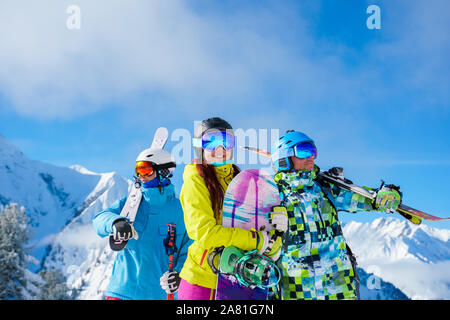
{"x": 315, "y": 263}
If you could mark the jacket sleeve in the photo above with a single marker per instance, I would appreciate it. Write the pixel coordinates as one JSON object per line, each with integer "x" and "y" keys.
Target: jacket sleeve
{"x": 345, "y": 200}
{"x": 200, "y": 222}
{"x": 183, "y": 240}
{"x": 183, "y": 244}
{"x": 104, "y": 220}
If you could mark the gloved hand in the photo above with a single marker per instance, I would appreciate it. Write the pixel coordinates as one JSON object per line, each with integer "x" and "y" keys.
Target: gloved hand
{"x": 123, "y": 230}
{"x": 269, "y": 244}
{"x": 279, "y": 218}
{"x": 388, "y": 199}
{"x": 170, "y": 281}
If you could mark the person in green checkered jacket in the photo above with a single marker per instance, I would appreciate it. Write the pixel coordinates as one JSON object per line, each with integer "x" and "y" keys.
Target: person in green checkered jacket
{"x": 315, "y": 261}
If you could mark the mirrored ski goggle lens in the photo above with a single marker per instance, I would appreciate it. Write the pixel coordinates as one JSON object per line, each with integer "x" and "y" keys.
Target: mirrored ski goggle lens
{"x": 305, "y": 150}
{"x": 144, "y": 168}
{"x": 212, "y": 140}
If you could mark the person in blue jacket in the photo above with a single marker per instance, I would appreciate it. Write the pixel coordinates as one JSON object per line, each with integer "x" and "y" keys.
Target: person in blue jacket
{"x": 138, "y": 267}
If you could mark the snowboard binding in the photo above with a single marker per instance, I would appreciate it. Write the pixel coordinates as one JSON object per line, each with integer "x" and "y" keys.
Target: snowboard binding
{"x": 250, "y": 269}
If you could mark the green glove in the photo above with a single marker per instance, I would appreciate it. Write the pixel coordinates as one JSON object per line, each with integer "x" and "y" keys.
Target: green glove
{"x": 387, "y": 200}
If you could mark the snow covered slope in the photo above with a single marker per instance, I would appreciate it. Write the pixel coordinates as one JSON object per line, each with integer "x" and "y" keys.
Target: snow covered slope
{"x": 415, "y": 259}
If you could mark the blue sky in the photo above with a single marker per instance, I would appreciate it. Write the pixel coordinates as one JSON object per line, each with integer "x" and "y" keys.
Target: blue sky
{"x": 375, "y": 101}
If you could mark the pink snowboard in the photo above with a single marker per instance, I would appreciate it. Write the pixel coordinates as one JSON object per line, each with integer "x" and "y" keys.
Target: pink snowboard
{"x": 248, "y": 200}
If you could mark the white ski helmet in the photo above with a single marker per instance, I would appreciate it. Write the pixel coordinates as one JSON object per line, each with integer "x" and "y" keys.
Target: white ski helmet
{"x": 162, "y": 160}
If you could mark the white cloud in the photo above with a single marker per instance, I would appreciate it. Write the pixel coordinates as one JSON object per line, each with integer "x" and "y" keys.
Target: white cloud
{"x": 161, "y": 47}
{"x": 195, "y": 59}
{"x": 122, "y": 49}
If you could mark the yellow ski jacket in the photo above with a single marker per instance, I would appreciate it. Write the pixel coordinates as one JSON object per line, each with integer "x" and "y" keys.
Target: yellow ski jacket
{"x": 204, "y": 229}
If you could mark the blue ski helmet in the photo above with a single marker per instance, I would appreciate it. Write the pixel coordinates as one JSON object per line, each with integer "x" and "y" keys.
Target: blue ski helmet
{"x": 284, "y": 148}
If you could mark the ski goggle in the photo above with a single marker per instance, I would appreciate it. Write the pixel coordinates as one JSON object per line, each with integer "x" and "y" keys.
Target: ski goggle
{"x": 144, "y": 168}
{"x": 211, "y": 140}
{"x": 305, "y": 150}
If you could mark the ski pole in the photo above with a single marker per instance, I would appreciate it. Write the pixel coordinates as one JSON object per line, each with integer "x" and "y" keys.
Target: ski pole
{"x": 170, "y": 246}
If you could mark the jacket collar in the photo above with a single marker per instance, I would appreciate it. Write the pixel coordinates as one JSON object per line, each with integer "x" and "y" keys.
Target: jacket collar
{"x": 295, "y": 179}
{"x": 224, "y": 171}
{"x": 157, "y": 198}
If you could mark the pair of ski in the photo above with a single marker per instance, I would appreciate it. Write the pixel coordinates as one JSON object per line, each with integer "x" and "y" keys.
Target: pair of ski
{"x": 248, "y": 201}
{"x": 413, "y": 215}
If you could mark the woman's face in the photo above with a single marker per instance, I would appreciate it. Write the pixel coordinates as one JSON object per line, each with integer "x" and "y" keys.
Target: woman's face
{"x": 219, "y": 154}
{"x": 147, "y": 178}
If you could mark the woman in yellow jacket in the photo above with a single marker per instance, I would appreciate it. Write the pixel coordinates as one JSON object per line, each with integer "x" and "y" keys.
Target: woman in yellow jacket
{"x": 202, "y": 193}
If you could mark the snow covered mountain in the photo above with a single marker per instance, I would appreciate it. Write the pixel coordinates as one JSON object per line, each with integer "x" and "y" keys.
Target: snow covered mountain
{"x": 53, "y": 196}
{"x": 396, "y": 260}
{"x": 415, "y": 259}
{"x": 79, "y": 252}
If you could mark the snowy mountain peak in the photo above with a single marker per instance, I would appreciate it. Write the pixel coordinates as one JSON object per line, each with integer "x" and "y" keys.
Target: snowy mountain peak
{"x": 414, "y": 258}
{"x": 81, "y": 169}
{"x": 53, "y": 196}
{"x": 9, "y": 151}
{"x": 395, "y": 228}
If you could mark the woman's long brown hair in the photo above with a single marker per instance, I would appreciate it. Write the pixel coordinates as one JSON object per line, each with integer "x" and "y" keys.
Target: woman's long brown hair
{"x": 216, "y": 193}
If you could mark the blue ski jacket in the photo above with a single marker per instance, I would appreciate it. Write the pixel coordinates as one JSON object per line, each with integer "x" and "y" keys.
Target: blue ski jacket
{"x": 138, "y": 268}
